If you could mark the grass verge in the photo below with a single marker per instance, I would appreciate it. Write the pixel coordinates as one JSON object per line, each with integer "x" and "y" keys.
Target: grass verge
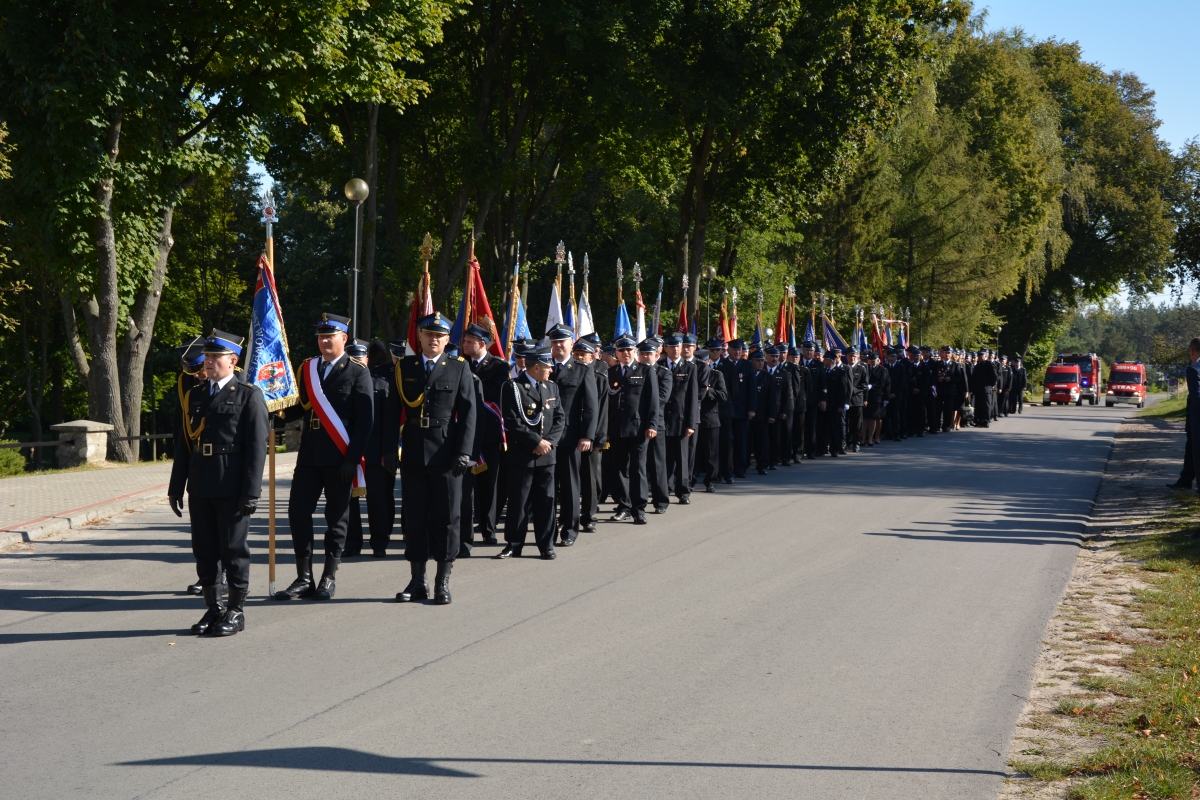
{"x": 1151, "y": 727}
{"x": 1167, "y": 408}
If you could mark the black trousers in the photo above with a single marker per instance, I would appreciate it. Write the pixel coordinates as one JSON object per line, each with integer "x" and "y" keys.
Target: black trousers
{"x": 567, "y": 483}
{"x": 486, "y": 496}
{"x": 983, "y": 412}
{"x": 933, "y": 412}
{"x": 608, "y": 473}
{"x": 691, "y": 444}
{"x": 220, "y": 536}
{"x": 432, "y": 504}
{"x": 741, "y": 447}
{"x": 590, "y": 467}
{"x": 630, "y": 489}
{"x": 774, "y": 442}
{"x": 786, "y": 450}
{"x": 308, "y": 483}
{"x": 831, "y": 430}
{"x": 679, "y": 454}
{"x": 915, "y": 405}
{"x": 381, "y": 511}
{"x": 1188, "y": 473}
{"x": 893, "y": 416}
{"x": 726, "y": 447}
{"x": 799, "y": 431}
{"x": 949, "y": 403}
{"x": 708, "y": 454}
{"x": 656, "y": 470}
{"x": 760, "y": 443}
{"x": 530, "y": 497}
{"x": 812, "y": 427}
{"x": 854, "y": 425}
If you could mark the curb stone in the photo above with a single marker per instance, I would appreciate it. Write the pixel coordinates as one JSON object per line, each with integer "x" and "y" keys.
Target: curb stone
{"x": 79, "y": 517}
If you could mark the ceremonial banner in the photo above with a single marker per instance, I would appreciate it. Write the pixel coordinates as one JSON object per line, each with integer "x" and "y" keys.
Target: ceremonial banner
{"x": 681, "y": 326}
{"x": 641, "y": 317}
{"x": 475, "y": 308}
{"x": 554, "y": 315}
{"x": 723, "y": 321}
{"x": 584, "y": 325}
{"x": 832, "y": 337}
{"x": 422, "y": 307}
{"x": 622, "y": 328}
{"x": 269, "y": 367}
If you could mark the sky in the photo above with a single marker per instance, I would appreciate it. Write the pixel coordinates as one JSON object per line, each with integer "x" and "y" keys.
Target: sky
{"x": 1154, "y": 39}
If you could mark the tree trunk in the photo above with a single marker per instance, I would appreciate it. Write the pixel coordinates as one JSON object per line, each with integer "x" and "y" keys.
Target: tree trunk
{"x": 104, "y": 387}
{"x": 34, "y": 397}
{"x": 370, "y": 222}
{"x": 138, "y": 338}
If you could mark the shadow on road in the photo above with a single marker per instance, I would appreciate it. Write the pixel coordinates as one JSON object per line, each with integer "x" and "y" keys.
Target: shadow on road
{"x": 341, "y": 759}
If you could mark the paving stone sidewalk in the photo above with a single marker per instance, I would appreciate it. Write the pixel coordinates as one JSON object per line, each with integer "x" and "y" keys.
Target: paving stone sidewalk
{"x": 32, "y": 506}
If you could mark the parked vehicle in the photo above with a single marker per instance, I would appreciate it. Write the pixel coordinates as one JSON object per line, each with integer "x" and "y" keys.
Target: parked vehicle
{"x": 1062, "y": 385}
{"x": 1089, "y": 374}
{"x": 1126, "y": 384}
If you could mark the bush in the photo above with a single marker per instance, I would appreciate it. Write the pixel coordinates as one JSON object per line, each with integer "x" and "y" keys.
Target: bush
{"x": 11, "y": 460}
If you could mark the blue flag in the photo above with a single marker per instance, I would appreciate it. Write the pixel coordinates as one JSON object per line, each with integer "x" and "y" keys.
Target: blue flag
{"x": 623, "y": 327}
{"x": 832, "y": 337}
{"x": 521, "y": 329}
{"x": 269, "y": 367}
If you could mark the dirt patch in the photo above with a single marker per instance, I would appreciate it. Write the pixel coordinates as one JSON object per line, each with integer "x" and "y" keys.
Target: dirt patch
{"x": 1094, "y": 628}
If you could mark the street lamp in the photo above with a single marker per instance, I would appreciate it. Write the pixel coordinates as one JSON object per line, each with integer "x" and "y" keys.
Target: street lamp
{"x": 357, "y": 191}
{"x": 922, "y": 336}
{"x": 710, "y": 272}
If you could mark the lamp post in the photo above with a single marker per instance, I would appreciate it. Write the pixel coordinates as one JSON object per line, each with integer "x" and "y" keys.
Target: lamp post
{"x": 710, "y": 272}
{"x": 357, "y": 191}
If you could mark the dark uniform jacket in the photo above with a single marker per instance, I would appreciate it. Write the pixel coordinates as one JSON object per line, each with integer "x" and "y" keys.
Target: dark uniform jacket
{"x": 801, "y": 384}
{"x": 881, "y": 382}
{"x": 1020, "y": 380}
{"x": 739, "y": 382}
{"x": 348, "y": 389}
{"x": 183, "y": 385}
{"x": 665, "y": 384}
{"x": 766, "y": 397}
{"x": 816, "y": 381}
{"x": 493, "y": 374}
{"x": 949, "y": 378}
{"x": 898, "y": 378}
{"x": 632, "y": 400}
{"x": 713, "y": 398}
{"x": 681, "y": 410}
{"x": 439, "y": 411}
{"x": 836, "y": 389}
{"x": 783, "y": 391}
{"x": 859, "y": 379}
{"x": 531, "y": 415}
{"x": 983, "y": 376}
{"x": 228, "y": 443}
{"x": 600, "y": 370}
{"x": 577, "y": 396}
{"x": 381, "y": 383}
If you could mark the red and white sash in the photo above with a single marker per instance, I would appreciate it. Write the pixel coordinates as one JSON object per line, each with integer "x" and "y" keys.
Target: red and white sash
{"x": 330, "y": 421}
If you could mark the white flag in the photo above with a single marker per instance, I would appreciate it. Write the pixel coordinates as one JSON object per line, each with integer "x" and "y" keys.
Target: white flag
{"x": 554, "y": 315}
{"x": 584, "y": 320}
{"x": 641, "y": 319}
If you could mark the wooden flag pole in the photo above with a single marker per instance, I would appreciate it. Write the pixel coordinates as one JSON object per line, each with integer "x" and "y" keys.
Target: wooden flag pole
{"x": 268, "y": 218}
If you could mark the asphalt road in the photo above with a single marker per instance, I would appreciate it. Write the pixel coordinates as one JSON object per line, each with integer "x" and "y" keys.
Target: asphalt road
{"x": 850, "y": 628}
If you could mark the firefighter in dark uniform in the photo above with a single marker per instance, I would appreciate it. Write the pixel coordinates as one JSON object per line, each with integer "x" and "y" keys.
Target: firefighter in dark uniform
{"x": 191, "y": 357}
{"x": 740, "y": 381}
{"x": 492, "y": 373}
{"x": 433, "y": 415}
{"x": 381, "y": 480}
{"x": 983, "y": 378}
{"x": 634, "y": 417}
{"x": 1020, "y": 383}
{"x": 949, "y": 378}
{"x": 778, "y": 435}
{"x": 591, "y": 462}
{"x": 321, "y": 466}
{"x": 688, "y": 354}
{"x": 810, "y": 359}
{"x": 721, "y": 363}
{"x": 577, "y": 397}
{"x": 765, "y": 400}
{"x": 656, "y": 450}
{"x": 835, "y": 401}
{"x": 680, "y": 417}
{"x": 714, "y": 402}
{"x": 225, "y": 423}
{"x": 793, "y": 449}
{"x": 897, "y": 393}
{"x": 535, "y": 421}
{"x": 859, "y": 382}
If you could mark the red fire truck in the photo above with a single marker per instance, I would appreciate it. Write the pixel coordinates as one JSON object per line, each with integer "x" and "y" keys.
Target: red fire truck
{"x": 1089, "y": 375}
{"x": 1126, "y": 384}
{"x": 1062, "y": 385}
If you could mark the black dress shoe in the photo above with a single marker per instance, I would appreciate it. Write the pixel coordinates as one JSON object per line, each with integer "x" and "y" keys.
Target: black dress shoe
{"x": 195, "y": 588}
{"x": 464, "y": 552}
{"x": 549, "y": 555}
{"x": 214, "y": 613}
{"x": 328, "y": 584}
{"x": 233, "y": 619}
{"x": 417, "y": 589}
{"x": 490, "y": 540}
{"x": 709, "y": 489}
{"x": 379, "y": 554}
{"x": 661, "y": 509}
{"x": 303, "y": 585}
{"x": 510, "y": 550}
{"x": 441, "y": 584}
{"x": 621, "y": 516}
{"x": 589, "y": 528}
{"x": 351, "y": 553}
{"x": 762, "y": 472}
{"x": 566, "y": 542}
{"x": 685, "y": 501}
{"x": 1179, "y": 485}
{"x": 639, "y": 519}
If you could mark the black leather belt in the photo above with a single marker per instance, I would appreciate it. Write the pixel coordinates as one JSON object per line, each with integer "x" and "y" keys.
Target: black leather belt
{"x": 210, "y": 449}
{"x": 428, "y": 422}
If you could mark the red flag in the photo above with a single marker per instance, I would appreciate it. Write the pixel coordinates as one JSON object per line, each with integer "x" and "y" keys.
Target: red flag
{"x": 723, "y": 321}
{"x": 422, "y": 307}
{"x": 781, "y": 322}
{"x": 480, "y": 312}
{"x": 682, "y": 325}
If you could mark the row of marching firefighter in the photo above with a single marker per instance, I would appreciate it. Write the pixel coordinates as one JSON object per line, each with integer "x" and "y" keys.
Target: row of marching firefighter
{"x": 539, "y": 443}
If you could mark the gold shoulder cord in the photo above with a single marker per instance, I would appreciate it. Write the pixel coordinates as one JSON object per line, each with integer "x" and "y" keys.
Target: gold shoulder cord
{"x": 190, "y": 436}
{"x": 420, "y": 401}
{"x": 306, "y": 406}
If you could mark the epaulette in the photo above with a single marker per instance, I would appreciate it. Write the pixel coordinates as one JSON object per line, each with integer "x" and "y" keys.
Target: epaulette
{"x": 460, "y": 358}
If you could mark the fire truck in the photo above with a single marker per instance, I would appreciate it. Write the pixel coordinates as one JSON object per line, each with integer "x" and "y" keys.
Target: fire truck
{"x": 1089, "y": 375}
{"x": 1126, "y": 384}
{"x": 1062, "y": 385}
